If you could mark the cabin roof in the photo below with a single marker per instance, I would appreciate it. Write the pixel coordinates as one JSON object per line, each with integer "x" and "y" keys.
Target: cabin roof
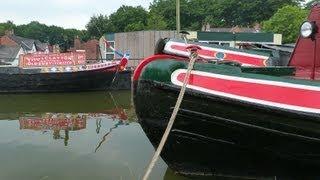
{"x": 229, "y": 36}
{"x": 244, "y": 30}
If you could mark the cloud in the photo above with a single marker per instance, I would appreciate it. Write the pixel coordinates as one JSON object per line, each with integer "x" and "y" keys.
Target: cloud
{"x": 65, "y": 13}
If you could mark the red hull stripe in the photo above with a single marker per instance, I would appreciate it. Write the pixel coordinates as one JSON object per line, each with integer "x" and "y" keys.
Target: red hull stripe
{"x": 210, "y": 53}
{"x": 272, "y": 93}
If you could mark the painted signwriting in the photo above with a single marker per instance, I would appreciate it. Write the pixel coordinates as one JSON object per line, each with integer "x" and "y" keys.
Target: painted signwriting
{"x": 52, "y": 59}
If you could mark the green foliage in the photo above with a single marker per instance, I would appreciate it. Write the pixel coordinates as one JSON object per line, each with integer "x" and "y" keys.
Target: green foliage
{"x": 137, "y": 26}
{"x": 202, "y": 12}
{"x": 162, "y": 16}
{"x": 286, "y": 21}
{"x": 34, "y": 30}
{"x": 127, "y": 17}
{"x": 156, "y": 22}
{"x": 247, "y": 12}
{"x": 167, "y": 10}
{"x": 6, "y": 26}
{"x": 219, "y": 13}
{"x": 98, "y": 25}
{"x": 50, "y": 34}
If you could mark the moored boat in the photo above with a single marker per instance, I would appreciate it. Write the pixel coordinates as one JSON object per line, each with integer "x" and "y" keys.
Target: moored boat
{"x": 270, "y": 110}
{"x": 58, "y": 73}
{"x": 178, "y": 47}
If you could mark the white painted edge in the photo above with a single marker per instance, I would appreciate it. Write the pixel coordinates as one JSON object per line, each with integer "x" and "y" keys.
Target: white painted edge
{"x": 174, "y": 80}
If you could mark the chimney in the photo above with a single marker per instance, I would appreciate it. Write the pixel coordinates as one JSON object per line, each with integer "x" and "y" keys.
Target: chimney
{"x": 257, "y": 27}
{"x": 9, "y": 32}
{"x": 206, "y": 27}
{"x": 77, "y": 43}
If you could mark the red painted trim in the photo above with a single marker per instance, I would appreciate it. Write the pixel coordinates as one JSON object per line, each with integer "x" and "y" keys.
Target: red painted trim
{"x": 148, "y": 60}
{"x": 266, "y": 92}
{"x": 305, "y": 56}
{"x": 228, "y": 56}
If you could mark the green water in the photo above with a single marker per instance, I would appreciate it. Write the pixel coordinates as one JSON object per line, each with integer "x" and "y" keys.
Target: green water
{"x": 74, "y": 136}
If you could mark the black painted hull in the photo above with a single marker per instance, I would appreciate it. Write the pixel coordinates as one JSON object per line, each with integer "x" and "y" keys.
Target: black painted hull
{"x": 208, "y": 130}
{"x": 26, "y": 81}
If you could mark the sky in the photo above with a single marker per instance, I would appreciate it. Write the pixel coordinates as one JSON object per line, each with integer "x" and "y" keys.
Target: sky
{"x": 64, "y": 13}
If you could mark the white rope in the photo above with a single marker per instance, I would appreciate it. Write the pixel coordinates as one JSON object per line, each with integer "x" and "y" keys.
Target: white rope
{"x": 193, "y": 58}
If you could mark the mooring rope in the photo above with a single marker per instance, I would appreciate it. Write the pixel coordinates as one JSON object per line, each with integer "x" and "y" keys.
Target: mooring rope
{"x": 193, "y": 58}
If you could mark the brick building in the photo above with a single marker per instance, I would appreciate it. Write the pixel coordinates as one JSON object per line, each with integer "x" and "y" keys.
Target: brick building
{"x": 91, "y": 48}
{"x": 12, "y": 46}
{"x": 28, "y": 45}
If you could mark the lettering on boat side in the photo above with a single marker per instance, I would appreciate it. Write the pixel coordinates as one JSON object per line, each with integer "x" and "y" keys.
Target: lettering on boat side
{"x": 284, "y": 95}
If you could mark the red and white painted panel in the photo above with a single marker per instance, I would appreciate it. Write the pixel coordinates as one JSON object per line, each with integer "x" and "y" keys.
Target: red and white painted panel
{"x": 85, "y": 67}
{"x": 52, "y": 59}
{"x": 246, "y": 59}
{"x": 286, "y": 95}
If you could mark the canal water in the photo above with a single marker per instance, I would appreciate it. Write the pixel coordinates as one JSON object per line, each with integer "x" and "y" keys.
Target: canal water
{"x": 76, "y": 136}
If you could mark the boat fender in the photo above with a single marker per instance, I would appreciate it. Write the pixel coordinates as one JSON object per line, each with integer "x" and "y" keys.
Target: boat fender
{"x": 161, "y": 43}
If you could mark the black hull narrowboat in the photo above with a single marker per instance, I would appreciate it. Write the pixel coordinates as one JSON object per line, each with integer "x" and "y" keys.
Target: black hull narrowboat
{"x": 59, "y": 72}
{"x": 17, "y": 80}
{"x": 205, "y": 120}
{"x": 271, "y": 111}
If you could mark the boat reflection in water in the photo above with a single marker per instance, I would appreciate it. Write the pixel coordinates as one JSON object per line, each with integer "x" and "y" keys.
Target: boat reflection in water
{"x": 66, "y": 122}
{"x": 94, "y": 136}
{"x": 89, "y": 135}
{"x": 56, "y": 123}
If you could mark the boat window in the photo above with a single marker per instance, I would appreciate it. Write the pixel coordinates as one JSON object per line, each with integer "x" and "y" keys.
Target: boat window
{"x": 216, "y": 43}
{"x": 109, "y": 56}
{"x": 225, "y": 44}
{"x": 109, "y": 53}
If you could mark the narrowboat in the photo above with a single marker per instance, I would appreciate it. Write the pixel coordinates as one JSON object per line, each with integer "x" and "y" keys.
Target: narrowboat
{"x": 247, "y": 57}
{"x": 58, "y": 72}
{"x": 273, "y": 110}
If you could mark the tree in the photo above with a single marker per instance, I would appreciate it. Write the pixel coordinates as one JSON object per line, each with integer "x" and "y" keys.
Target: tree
{"x": 6, "y": 26}
{"x": 156, "y": 22}
{"x": 202, "y": 12}
{"x": 167, "y": 10}
{"x": 98, "y": 25}
{"x": 248, "y": 12}
{"x": 128, "y": 18}
{"x": 138, "y": 26}
{"x": 33, "y": 30}
{"x": 50, "y": 34}
{"x": 286, "y": 21}
{"x": 219, "y": 13}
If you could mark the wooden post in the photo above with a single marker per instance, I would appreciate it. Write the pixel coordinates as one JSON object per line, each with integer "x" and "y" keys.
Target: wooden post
{"x": 178, "y": 16}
